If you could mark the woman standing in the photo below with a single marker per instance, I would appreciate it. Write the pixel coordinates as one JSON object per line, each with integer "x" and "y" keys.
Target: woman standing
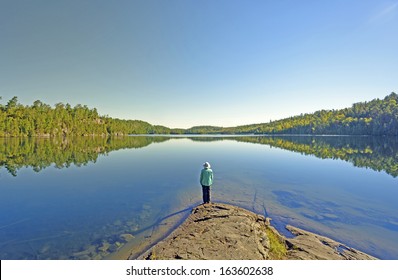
{"x": 206, "y": 180}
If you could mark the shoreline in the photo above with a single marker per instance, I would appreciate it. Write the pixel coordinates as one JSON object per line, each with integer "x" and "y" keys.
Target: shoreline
{"x": 222, "y": 231}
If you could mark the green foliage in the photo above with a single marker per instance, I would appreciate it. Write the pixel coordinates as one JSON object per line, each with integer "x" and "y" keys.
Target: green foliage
{"x": 377, "y": 117}
{"x": 204, "y": 130}
{"x": 277, "y": 249}
{"x": 42, "y": 120}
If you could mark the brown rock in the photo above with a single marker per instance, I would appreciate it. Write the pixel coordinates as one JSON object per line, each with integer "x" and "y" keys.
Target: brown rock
{"x": 219, "y": 231}
{"x": 310, "y": 246}
{"x": 215, "y": 231}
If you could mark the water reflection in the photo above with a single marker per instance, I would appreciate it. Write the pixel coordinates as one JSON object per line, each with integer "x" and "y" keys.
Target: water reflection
{"x": 39, "y": 153}
{"x": 106, "y": 194}
{"x": 377, "y": 153}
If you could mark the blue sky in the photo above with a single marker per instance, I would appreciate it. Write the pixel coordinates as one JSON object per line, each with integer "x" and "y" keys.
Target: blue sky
{"x": 205, "y": 62}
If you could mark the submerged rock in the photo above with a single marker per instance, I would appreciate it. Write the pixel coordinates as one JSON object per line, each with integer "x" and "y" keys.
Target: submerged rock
{"x": 127, "y": 236}
{"x": 104, "y": 247}
{"x": 220, "y": 231}
{"x": 86, "y": 254}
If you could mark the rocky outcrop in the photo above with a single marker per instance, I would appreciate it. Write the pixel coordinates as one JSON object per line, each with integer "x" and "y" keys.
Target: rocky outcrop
{"x": 219, "y": 231}
{"x": 310, "y": 246}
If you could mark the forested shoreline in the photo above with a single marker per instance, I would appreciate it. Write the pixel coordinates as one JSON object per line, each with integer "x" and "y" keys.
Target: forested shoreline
{"x": 377, "y": 117}
{"x": 41, "y": 119}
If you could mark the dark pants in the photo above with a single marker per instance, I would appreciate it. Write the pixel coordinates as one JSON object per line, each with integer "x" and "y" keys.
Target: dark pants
{"x": 206, "y": 194}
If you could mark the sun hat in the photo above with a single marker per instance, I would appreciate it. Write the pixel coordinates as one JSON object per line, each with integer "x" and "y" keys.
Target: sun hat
{"x": 206, "y": 164}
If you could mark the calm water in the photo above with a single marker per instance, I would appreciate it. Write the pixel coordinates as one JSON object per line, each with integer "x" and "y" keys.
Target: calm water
{"x": 88, "y": 198}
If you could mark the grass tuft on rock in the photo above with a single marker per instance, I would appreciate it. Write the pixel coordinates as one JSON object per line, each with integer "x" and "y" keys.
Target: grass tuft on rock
{"x": 278, "y": 249}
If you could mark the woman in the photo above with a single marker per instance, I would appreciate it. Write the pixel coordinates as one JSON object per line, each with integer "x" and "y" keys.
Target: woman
{"x": 206, "y": 180}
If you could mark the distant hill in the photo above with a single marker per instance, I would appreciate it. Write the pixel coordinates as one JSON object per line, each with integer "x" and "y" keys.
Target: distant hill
{"x": 204, "y": 130}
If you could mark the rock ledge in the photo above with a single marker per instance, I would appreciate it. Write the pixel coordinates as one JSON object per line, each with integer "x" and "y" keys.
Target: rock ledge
{"x": 224, "y": 232}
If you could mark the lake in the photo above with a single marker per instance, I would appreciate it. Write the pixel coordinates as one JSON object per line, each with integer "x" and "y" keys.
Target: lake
{"x": 96, "y": 198}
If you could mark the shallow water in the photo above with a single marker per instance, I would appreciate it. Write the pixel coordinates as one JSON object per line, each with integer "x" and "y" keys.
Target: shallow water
{"x": 88, "y": 198}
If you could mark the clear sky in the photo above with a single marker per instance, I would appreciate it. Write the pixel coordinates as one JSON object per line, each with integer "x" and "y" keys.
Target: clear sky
{"x": 181, "y": 63}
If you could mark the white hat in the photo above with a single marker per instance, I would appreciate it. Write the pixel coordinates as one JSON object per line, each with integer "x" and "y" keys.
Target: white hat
{"x": 206, "y": 164}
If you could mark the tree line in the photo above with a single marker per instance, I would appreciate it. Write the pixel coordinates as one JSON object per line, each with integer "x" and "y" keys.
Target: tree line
{"x": 41, "y": 119}
{"x": 377, "y": 117}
